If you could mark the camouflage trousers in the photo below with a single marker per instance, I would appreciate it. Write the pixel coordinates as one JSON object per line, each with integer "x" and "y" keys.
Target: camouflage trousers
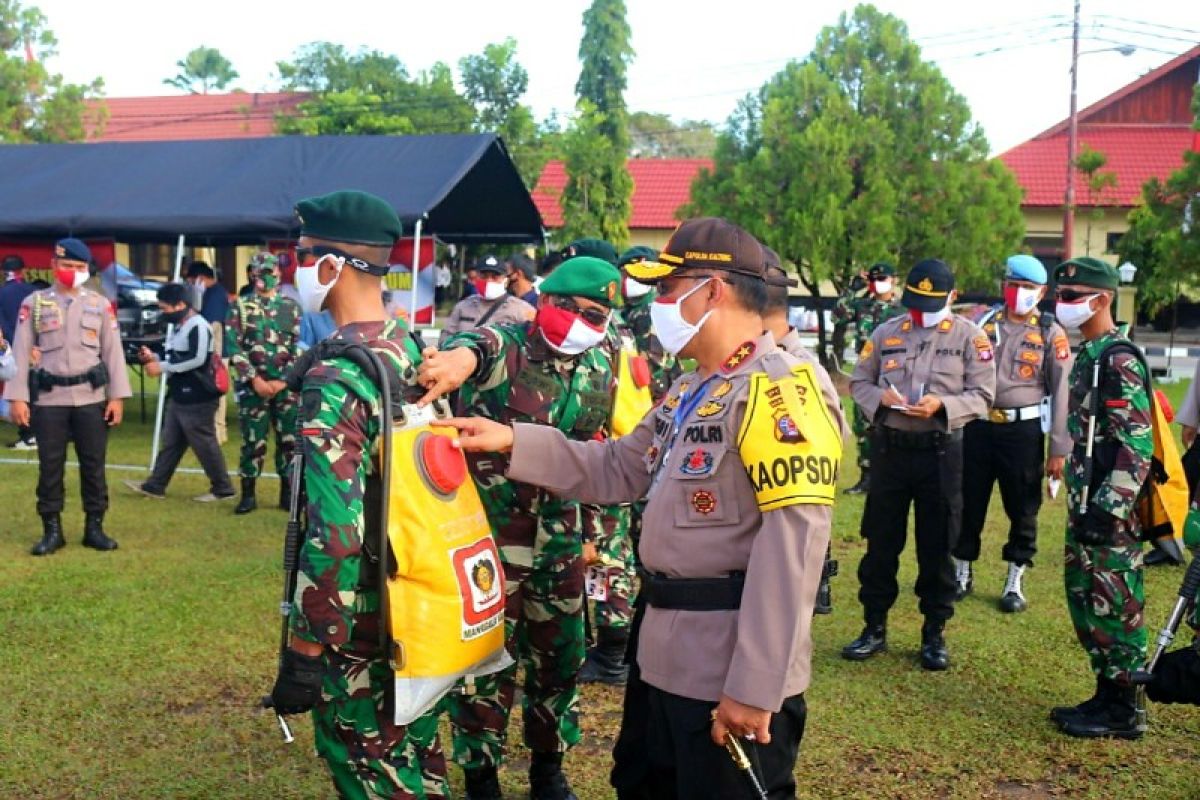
{"x": 256, "y": 417}
{"x": 861, "y": 427}
{"x": 544, "y": 625}
{"x": 369, "y": 756}
{"x": 614, "y": 546}
{"x": 1106, "y": 596}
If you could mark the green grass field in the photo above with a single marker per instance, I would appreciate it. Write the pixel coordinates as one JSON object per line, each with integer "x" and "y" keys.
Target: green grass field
{"x": 136, "y": 674}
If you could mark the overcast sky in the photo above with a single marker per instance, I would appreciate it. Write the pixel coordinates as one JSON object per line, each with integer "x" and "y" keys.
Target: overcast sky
{"x": 695, "y": 58}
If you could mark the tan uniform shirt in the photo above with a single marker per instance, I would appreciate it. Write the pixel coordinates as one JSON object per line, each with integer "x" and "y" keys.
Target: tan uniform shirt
{"x": 952, "y": 360}
{"x": 702, "y": 520}
{"x": 71, "y": 334}
{"x": 1026, "y": 363}
{"x": 468, "y": 314}
{"x": 792, "y": 344}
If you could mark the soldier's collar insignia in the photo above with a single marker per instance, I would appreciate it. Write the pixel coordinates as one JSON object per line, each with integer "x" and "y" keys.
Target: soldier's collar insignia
{"x": 735, "y": 360}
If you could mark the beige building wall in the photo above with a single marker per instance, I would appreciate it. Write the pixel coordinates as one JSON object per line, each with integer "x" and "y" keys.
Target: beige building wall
{"x": 1045, "y": 224}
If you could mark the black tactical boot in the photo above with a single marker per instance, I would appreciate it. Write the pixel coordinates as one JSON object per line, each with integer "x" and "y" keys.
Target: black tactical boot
{"x": 606, "y": 661}
{"x": 247, "y": 503}
{"x": 482, "y": 783}
{"x": 1116, "y": 716}
{"x": 864, "y": 483}
{"x": 1156, "y": 558}
{"x": 52, "y": 538}
{"x": 934, "y": 655}
{"x": 546, "y": 778}
{"x": 872, "y": 640}
{"x": 824, "y": 604}
{"x": 94, "y": 535}
{"x": 285, "y": 494}
{"x": 1063, "y": 714}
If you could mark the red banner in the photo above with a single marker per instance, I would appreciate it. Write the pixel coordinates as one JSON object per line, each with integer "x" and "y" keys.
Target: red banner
{"x": 37, "y": 255}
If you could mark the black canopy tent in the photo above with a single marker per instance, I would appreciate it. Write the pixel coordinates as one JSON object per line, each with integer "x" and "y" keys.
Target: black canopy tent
{"x": 461, "y": 188}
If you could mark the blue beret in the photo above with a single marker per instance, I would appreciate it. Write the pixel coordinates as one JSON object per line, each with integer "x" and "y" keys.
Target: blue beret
{"x": 1025, "y": 268}
{"x": 72, "y": 249}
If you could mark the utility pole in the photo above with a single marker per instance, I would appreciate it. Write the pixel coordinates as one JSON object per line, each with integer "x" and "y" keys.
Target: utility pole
{"x": 1072, "y": 136}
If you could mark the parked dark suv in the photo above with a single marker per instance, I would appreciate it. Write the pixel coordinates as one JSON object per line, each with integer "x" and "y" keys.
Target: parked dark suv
{"x": 138, "y": 315}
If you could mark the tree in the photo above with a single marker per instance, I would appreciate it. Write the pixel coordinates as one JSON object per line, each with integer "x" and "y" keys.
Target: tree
{"x": 596, "y": 199}
{"x": 202, "y": 69}
{"x": 1163, "y": 240}
{"x": 657, "y": 136}
{"x": 862, "y": 152}
{"x": 369, "y": 92}
{"x": 494, "y": 83}
{"x": 35, "y": 105}
{"x": 1090, "y": 163}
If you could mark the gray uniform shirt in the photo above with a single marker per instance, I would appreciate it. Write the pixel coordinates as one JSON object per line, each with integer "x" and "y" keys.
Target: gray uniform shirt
{"x": 467, "y": 315}
{"x": 953, "y": 360}
{"x": 1189, "y": 410}
{"x": 1030, "y": 360}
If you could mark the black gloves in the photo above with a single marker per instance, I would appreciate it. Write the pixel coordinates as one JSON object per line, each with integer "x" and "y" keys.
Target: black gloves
{"x": 1097, "y": 528}
{"x": 298, "y": 684}
{"x": 1176, "y": 678}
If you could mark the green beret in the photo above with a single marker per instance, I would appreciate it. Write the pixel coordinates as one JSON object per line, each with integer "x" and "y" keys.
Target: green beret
{"x": 637, "y": 253}
{"x": 349, "y": 216}
{"x": 585, "y": 276}
{"x": 1087, "y": 271}
{"x": 594, "y": 248}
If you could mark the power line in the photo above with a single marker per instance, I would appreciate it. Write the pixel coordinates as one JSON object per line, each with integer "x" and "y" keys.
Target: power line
{"x": 1148, "y": 34}
{"x": 1145, "y": 24}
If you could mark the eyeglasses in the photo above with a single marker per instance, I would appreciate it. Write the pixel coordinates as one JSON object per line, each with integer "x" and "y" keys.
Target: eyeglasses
{"x": 1072, "y": 295}
{"x": 592, "y": 316}
{"x": 307, "y": 256}
{"x": 667, "y": 286}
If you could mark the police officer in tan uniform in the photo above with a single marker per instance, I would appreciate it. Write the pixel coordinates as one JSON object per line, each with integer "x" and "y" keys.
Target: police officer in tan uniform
{"x": 919, "y": 380}
{"x": 739, "y": 463}
{"x": 71, "y": 370}
{"x": 493, "y": 305}
{"x": 1033, "y": 362}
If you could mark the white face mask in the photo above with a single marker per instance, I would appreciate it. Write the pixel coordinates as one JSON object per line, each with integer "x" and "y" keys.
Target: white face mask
{"x": 669, "y": 325}
{"x": 881, "y": 287}
{"x": 493, "y": 290}
{"x": 927, "y": 319}
{"x": 308, "y": 284}
{"x": 1024, "y": 300}
{"x": 635, "y": 289}
{"x": 1072, "y": 315}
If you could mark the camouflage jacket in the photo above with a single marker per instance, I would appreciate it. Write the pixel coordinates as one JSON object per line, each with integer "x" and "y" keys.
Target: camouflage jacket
{"x": 519, "y": 378}
{"x": 866, "y": 312}
{"x": 664, "y": 367}
{"x": 260, "y": 339}
{"x": 337, "y": 594}
{"x": 1124, "y": 443}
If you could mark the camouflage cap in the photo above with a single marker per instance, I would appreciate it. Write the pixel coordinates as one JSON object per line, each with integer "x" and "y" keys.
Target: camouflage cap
{"x": 262, "y": 262}
{"x": 593, "y": 248}
{"x": 584, "y": 276}
{"x": 352, "y": 217}
{"x": 1087, "y": 271}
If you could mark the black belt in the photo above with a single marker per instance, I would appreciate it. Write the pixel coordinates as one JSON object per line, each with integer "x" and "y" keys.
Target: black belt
{"x": 695, "y": 594}
{"x": 97, "y": 376}
{"x": 919, "y": 440}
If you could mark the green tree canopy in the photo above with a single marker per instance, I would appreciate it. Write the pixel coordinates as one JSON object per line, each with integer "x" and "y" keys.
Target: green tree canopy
{"x": 35, "y": 104}
{"x": 202, "y": 69}
{"x": 494, "y": 83}
{"x": 1163, "y": 240}
{"x": 658, "y": 136}
{"x": 863, "y": 152}
{"x": 369, "y": 92}
{"x": 596, "y": 199}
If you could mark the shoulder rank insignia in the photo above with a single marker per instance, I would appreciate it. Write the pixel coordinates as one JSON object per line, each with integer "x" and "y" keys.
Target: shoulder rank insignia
{"x": 744, "y": 351}
{"x": 709, "y": 409}
{"x": 867, "y": 348}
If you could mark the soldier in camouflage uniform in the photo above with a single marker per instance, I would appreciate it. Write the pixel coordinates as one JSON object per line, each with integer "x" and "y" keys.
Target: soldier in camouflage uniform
{"x": 334, "y": 664}
{"x": 554, "y": 371}
{"x": 260, "y": 342}
{"x": 1176, "y": 677}
{"x": 866, "y": 311}
{"x": 1105, "y": 592}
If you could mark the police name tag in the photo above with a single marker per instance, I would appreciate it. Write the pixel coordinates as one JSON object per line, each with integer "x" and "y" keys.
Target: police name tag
{"x": 1046, "y": 413}
{"x": 596, "y": 583}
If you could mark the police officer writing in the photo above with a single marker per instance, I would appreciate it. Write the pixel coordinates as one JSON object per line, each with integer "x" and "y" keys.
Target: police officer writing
{"x": 735, "y": 529}
{"x": 1033, "y": 360}
{"x": 70, "y": 386}
{"x": 919, "y": 380}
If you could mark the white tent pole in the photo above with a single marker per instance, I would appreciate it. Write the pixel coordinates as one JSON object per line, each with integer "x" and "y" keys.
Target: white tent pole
{"x": 416, "y": 268}
{"x": 162, "y": 379}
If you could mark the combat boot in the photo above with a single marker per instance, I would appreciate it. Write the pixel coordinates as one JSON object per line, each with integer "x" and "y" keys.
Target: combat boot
{"x": 1157, "y": 558}
{"x": 285, "y": 494}
{"x": 864, "y": 483}
{"x": 1062, "y": 714}
{"x": 94, "y": 535}
{"x": 1012, "y": 600}
{"x": 934, "y": 654}
{"x": 872, "y": 640}
{"x": 482, "y": 783}
{"x": 52, "y": 538}
{"x": 1116, "y": 716}
{"x": 247, "y": 503}
{"x": 606, "y": 661}
{"x": 964, "y": 580}
{"x": 546, "y": 778}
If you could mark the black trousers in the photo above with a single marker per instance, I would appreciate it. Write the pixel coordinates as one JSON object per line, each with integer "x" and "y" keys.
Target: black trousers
{"x": 54, "y": 426}
{"x": 1191, "y": 466}
{"x": 190, "y": 425}
{"x": 1013, "y": 455}
{"x": 931, "y": 481}
{"x": 664, "y": 749}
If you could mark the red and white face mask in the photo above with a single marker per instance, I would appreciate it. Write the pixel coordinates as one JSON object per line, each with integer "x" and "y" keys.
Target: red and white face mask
{"x": 567, "y": 332}
{"x": 490, "y": 290}
{"x": 71, "y": 278}
{"x": 927, "y": 319}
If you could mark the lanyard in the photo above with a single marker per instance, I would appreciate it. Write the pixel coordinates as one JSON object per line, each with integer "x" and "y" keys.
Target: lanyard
{"x": 687, "y": 404}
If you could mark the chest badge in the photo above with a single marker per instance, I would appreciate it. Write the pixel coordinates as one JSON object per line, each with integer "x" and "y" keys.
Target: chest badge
{"x": 704, "y": 501}
{"x": 697, "y": 462}
{"x": 722, "y": 390}
{"x": 709, "y": 409}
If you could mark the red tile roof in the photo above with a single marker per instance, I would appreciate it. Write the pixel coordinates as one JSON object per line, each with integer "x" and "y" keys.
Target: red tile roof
{"x": 1135, "y": 153}
{"x": 237, "y": 115}
{"x": 660, "y": 187}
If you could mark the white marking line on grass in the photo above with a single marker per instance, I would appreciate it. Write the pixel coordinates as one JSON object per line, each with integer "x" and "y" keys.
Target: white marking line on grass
{"x": 127, "y": 467}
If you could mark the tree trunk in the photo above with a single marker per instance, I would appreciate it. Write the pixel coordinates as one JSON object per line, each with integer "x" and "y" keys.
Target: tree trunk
{"x": 814, "y": 288}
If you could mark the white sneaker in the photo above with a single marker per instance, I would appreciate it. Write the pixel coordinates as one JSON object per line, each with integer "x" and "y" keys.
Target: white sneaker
{"x": 214, "y": 498}
{"x": 137, "y": 487}
{"x": 963, "y": 581}
{"x": 24, "y": 444}
{"x": 1013, "y": 598}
